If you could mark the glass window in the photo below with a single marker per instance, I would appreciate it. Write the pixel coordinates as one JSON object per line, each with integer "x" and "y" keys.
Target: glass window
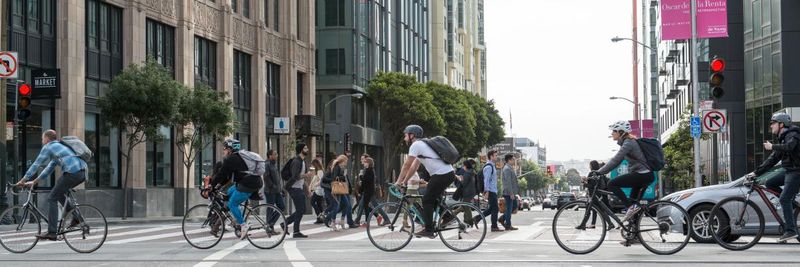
{"x": 266, "y": 13}
{"x": 242, "y": 91}
{"x": 273, "y": 91}
{"x": 104, "y": 167}
{"x": 205, "y": 160}
{"x": 18, "y": 14}
{"x": 205, "y": 59}
{"x": 335, "y": 61}
{"x": 277, "y": 15}
{"x": 160, "y": 40}
{"x": 159, "y": 161}
{"x": 235, "y": 5}
{"x": 246, "y": 8}
{"x": 298, "y": 16}
{"x": 334, "y": 13}
{"x": 104, "y": 40}
{"x": 300, "y": 93}
{"x": 33, "y": 16}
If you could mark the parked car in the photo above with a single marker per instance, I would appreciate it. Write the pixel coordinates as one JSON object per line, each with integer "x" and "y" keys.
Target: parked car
{"x": 699, "y": 201}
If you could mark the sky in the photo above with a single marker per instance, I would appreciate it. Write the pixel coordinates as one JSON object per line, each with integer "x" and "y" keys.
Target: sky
{"x": 552, "y": 65}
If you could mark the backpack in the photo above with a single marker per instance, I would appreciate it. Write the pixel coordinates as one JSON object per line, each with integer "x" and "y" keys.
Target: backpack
{"x": 256, "y": 165}
{"x": 78, "y": 147}
{"x": 286, "y": 171}
{"x": 446, "y": 151}
{"x": 653, "y": 153}
{"x": 479, "y": 179}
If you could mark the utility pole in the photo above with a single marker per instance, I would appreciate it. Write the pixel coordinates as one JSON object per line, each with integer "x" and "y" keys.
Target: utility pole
{"x": 698, "y": 180}
{"x": 635, "y": 46}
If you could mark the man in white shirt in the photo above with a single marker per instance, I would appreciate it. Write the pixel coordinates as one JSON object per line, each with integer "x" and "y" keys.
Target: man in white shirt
{"x": 442, "y": 174}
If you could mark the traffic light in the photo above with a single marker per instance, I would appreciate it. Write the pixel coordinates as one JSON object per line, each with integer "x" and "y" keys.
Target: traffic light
{"x": 715, "y": 81}
{"x": 24, "y": 102}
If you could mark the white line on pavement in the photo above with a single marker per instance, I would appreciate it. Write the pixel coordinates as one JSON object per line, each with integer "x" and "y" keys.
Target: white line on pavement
{"x": 294, "y": 255}
{"x": 153, "y": 237}
{"x": 212, "y": 259}
{"x": 523, "y": 233}
{"x": 361, "y": 235}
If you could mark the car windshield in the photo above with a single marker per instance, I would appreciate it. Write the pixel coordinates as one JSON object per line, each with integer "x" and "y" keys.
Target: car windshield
{"x": 764, "y": 177}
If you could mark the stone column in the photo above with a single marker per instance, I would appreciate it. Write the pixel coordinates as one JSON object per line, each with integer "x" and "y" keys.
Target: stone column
{"x": 71, "y": 54}
{"x": 133, "y": 52}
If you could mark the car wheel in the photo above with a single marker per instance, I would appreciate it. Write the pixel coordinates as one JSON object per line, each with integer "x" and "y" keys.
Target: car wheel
{"x": 701, "y": 227}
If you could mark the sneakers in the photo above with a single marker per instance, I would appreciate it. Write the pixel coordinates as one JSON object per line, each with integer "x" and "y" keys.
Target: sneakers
{"x": 341, "y": 224}
{"x": 425, "y": 233}
{"x": 786, "y": 237}
{"x": 47, "y": 236}
{"x": 632, "y": 210}
{"x": 243, "y": 232}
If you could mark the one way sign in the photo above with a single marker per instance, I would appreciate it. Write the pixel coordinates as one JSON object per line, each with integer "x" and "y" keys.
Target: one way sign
{"x": 714, "y": 120}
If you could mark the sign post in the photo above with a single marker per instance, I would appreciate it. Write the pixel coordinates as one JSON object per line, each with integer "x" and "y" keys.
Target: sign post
{"x": 695, "y": 127}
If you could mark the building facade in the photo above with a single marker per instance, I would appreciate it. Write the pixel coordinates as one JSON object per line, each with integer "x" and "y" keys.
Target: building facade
{"x": 355, "y": 41}
{"x": 458, "y": 49}
{"x": 259, "y": 52}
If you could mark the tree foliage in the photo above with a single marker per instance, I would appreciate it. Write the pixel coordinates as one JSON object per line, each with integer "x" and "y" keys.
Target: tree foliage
{"x": 140, "y": 100}
{"x": 459, "y": 117}
{"x": 678, "y": 155}
{"x": 573, "y": 177}
{"x": 535, "y": 176}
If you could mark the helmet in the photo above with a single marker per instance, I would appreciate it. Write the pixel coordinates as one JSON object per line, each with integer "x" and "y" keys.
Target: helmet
{"x": 413, "y": 129}
{"x": 624, "y": 126}
{"x": 233, "y": 144}
{"x": 782, "y": 118}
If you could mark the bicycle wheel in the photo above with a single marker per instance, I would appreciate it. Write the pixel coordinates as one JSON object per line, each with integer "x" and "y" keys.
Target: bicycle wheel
{"x": 663, "y": 227}
{"x": 263, "y": 219}
{"x": 390, "y": 226}
{"x": 569, "y": 228}
{"x": 465, "y": 228}
{"x": 18, "y": 229}
{"x": 737, "y": 216}
{"x": 203, "y": 227}
{"x": 84, "y": 229}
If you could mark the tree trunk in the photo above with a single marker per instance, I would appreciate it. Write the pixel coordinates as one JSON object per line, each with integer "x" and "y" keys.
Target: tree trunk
{"x": 125, "y": 185}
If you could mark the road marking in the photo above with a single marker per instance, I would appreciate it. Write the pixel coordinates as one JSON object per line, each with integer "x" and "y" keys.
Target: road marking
{"x": 153, "y": 237}
{"x": 294, "y": 255}
{"x": 361, "y": 235}
{"x": 523, "y": 233}
{"x": 45, "y": 230}
{"x": 212, "y": 259}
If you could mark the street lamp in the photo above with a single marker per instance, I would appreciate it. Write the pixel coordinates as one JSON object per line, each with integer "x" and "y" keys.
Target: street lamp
{"x": 654, "y": 50}
{"x": 617, "y": 39}
{"x": 636, "y": 106}
{"x": 325, "y": 108}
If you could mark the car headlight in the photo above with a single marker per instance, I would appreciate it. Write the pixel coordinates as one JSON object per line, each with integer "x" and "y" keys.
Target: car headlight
{"x": 682, "y": 197}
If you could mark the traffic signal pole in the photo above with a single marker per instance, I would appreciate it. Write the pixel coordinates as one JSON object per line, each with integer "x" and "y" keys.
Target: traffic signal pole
{"x": 698, "y": 180}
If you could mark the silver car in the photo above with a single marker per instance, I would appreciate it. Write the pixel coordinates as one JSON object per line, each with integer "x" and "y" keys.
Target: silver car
{"x": 699, "y": 201}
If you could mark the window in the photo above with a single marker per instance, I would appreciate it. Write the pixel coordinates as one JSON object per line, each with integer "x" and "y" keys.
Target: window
{"x": 273, "y": 87}
{"x": 300, "y": 80}
{"x": 299, "y": 25}
{"x": 31, "y": 33}
{"x": 205, "y": 62}
{"x": 104, "y": 167}
{"x": 159, "y": 163}
{"x": 103, "y": 42}
{"x": 205, "y": 160}
{"x": 246, "y": 8}
{"x": 266, "y": 13}
{"x": 161, "y": 44}
{"x": 33, "y": 16}
{"x": 242, "y": 91}
{"x": 335, "y": 61}
{"x": 277, "y": 15}
{"x": 235, "y": 6}
{"x": 334, "y": 13}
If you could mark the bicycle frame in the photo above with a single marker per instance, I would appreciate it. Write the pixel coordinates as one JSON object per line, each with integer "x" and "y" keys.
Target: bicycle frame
{"x": 417, "y": 214}
{"x": 755, "y": 187}
{"x": 30, "y": 206}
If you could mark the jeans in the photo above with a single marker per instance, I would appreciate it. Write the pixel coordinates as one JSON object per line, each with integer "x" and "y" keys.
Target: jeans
{"x": 511, "y": 205}
{"x": 494, "y": 208}
{"x": 333, "y": 205}
{"x": 59, "y": 195}
{"x": 317, "y": 203}
{"x": 299, "y": 200}
{"x": 636, "y": 181}
{"x": 277, "y": 200}
{"x": 436, "y": 187}
{"x": 791, "y": 184}
{"x": 367, "y": 209}
{"x": 235, "y": 200}
{"x": 346, "y": 209}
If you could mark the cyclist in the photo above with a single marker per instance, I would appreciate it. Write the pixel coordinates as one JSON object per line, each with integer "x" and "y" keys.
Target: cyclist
{"x": 638, "y": 176}
{"x": 74, "y": 173}
{"x": 785, "y": 151}
{"x": 233, "y": 169}
{"x": 442, "y": 174}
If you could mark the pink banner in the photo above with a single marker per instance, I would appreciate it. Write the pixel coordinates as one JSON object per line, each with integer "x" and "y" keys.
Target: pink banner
{"x": 676, "y": 19}
{"x": 647, "y": 125}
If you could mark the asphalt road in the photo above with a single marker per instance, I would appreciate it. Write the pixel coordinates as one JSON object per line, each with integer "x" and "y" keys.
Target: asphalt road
{"x": 162, "y": 244}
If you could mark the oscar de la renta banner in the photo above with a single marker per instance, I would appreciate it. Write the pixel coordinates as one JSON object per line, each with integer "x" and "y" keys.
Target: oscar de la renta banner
{"x": 676, "y": 19}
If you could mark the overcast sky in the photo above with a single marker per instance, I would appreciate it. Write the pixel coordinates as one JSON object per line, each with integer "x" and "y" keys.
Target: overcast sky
{"x": 552, "y": 65}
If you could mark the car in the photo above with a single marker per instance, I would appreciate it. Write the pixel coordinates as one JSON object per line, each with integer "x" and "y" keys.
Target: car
{"x": 565, "y": 198}
{"x": 547, "y": 203}
{"x": 526, "y": 204}
{"x": 698, "y": 203}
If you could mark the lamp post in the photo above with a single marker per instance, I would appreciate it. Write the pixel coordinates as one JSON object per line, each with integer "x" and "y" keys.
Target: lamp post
{"x": 325, "y": 108}
{"x": 636, "y": 106}
{"x": 657, "y": 134}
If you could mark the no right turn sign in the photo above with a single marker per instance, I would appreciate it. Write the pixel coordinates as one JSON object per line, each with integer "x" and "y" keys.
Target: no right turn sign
{"x": 8, "y": 64}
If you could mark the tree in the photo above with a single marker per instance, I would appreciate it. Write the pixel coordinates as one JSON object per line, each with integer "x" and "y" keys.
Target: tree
{"x": 202, "y": 113}
{"x": 496, "y": 130}
{"x": 678, "y": 155}
{"x": 523, "y": 186}
{"x": 459, "y": 117}
{"x": 573, "y": 177}
{"x": 481, "y": 122}
{"x": 140, "y": 100}
{"x": 402, "y": 101}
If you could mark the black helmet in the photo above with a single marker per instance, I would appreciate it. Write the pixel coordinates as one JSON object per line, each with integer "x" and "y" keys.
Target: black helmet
{"x": 233, "y": 144}
{"x": 782, "y": 118}
{"x": 413, "y": 129}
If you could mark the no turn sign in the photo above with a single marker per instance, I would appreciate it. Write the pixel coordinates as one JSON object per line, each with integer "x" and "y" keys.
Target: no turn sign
{"x": 714, "y": 120}
{"x": 8, "y": 64}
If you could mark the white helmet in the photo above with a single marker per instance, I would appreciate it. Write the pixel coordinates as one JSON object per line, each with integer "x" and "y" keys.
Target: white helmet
{"x": 624, "y": 126}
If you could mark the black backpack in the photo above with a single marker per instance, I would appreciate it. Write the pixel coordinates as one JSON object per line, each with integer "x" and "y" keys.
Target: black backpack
{"x": 444, "y": 148}
{"x": 479, "y": 179}
{"x": 653, "y": 153}
{"x": 286, "y": 171}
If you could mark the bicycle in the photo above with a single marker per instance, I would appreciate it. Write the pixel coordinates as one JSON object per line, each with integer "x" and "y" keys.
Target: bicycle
{"x": 20, "y": 224}
{"x": 662, "y": 227}
{"x": 737, "y": 216}
{"x": 393, "y": 231}
{"x": 203, "y": 225}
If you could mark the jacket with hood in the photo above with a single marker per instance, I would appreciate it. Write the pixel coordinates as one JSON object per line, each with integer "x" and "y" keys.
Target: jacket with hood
{"x": 785, "y": 151}
{"x": 630, "y": 151}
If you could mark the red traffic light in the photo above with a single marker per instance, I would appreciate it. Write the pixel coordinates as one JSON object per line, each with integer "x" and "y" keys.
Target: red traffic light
{"x": 717, "y": 65}
{"x": 25, "y": 89}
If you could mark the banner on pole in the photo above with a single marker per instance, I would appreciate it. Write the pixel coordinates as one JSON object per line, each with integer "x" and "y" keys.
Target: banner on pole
{"x": 676, "y": 19}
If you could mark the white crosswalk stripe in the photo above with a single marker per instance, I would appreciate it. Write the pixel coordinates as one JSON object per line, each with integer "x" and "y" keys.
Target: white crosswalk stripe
{"x": 524, "y": 233}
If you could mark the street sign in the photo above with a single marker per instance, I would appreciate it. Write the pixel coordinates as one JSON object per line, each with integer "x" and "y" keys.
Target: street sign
{"x": 8, "y": 65}
{"x": 46, "y": 83}
{"x": 714, "y": 120}
{"x": 9, "y": 131}
{"x": 695, "y": 127}
{"x": 707, "y": 105}
{"x": 281, "y": 125}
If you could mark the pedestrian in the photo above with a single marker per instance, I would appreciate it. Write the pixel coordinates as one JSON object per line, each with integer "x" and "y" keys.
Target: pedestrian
{"x": 318, "y": 196}
{"x": 490, "y": 189}
{"x": 368, "y": 198}
{"x": 273, "y": 187}
{"x": 73, "y": 170}
{"x": 465, "y": 188}
{"x": 510, "y": 190}
{"x": 590, "y": 184}
{"x": 335, "y": 172}
{"x": 346, "y": 200}
{"x": 298, "y": 189}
